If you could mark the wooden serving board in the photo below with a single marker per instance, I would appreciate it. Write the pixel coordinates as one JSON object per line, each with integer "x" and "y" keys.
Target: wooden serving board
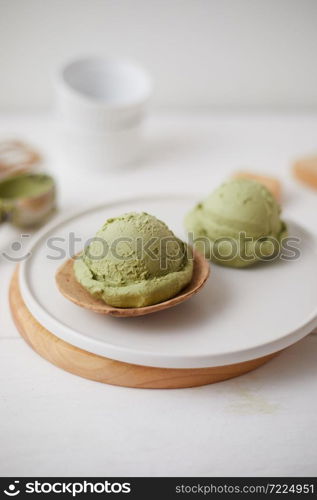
{"x": 109, "y": 371}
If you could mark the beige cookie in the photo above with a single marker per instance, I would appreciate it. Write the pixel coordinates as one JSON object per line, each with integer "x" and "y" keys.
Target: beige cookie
{"x": 17, "y": 157}
{"x": 305, "y": 170}
{"x": 271, "y": 183}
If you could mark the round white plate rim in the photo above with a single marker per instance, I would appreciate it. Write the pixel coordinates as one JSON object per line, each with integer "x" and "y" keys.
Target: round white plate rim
{"x": 145, "y": 358}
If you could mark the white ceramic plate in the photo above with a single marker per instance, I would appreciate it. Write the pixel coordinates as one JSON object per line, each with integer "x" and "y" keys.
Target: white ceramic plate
{"x": 239, "y": 314}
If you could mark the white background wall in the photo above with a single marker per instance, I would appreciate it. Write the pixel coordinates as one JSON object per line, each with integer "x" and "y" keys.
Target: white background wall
{"x": 202, "y": 53}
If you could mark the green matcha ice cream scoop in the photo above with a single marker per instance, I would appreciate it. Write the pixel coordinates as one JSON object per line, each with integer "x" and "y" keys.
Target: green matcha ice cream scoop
{"x": 134, "y": 260}
{"x": 238, "y": 224}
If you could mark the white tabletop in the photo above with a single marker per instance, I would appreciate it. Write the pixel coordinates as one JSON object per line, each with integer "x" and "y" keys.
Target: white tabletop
{"x": 263, "y": 423}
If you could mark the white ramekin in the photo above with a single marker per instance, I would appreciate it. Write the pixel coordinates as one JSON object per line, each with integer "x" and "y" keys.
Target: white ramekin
{"x": 102, "y": 95}
{"x": 92, "y": 151}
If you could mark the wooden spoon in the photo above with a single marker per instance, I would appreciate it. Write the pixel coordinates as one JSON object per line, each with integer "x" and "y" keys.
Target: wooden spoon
{"x": 73, "y": 291}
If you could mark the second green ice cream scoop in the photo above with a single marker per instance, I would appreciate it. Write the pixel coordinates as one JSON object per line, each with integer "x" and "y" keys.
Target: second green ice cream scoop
{"x": 134, "y": 260}
{"x": 238, "y": 224}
